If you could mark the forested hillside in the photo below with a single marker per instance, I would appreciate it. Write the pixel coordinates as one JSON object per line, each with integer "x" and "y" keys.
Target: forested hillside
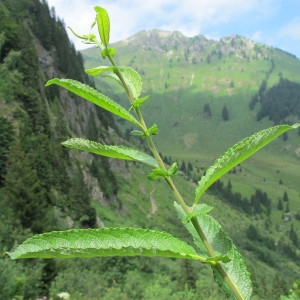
{"x": 44, "y": 186}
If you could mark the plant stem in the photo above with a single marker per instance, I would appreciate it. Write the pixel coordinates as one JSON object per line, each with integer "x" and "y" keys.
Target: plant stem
{"x": 174, "y": 189}
{"x": 194, "y": 220}
{"x": 119, "y": 74}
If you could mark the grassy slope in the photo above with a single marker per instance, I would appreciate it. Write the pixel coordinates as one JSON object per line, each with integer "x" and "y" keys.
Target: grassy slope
{"x": 137, "y": 195}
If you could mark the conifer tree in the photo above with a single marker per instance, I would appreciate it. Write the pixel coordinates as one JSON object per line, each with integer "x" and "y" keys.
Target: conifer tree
{"x": 293, "y": 236}
{"x": 285, "y": 197}
{"x": 225, "y": 113}
{"x": 207, "y": 111}
{"x": 183, "y": 167}
{"x": 6, "y": 137}
{"x": 280, "y": 205}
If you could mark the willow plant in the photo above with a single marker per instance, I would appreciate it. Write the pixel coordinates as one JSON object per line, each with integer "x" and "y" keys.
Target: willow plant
{"x": 212, "y": 245}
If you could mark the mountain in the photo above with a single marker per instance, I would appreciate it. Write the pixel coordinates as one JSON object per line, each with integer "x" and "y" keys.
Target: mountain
{"x": 191, "y": 73}
{"x": 45, "y": 187}
{"x": 205, "y": 96}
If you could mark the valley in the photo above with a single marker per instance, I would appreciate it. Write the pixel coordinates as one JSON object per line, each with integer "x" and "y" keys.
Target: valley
{"x": 181, "y": 83}
{"x": 205, "y": 96}
{"x": 188, "y": 96}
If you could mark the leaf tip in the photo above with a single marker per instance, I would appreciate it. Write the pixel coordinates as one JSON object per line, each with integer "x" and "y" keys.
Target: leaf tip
{"x": 49, "y": 82}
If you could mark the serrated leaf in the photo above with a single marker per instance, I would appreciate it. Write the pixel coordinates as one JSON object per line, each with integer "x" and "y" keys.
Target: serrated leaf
{"x": 95, "y": 97}
{"x": 222, "y": 246}
{"x": 120, "y": 152}
{"x": 99, "y": 70}
{"x": 139, "y": 101}
{"x": 153, "y": 130}
{"x": 132, "y": 78}
{"x": 104, "y": 242}
{"x": 108, "y": 52}
{"x": 198, "y": 210}
{"x": 157, "y": 173}
{"x": 236, "y": 154}
{"x": 173, "y": 170}
{"x": 103, "y": 24}
{"x": 137, "y": 133}
{"x": 197, "y": 240}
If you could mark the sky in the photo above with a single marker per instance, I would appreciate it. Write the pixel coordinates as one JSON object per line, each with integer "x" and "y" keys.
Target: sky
{"x": 272, "y": 22}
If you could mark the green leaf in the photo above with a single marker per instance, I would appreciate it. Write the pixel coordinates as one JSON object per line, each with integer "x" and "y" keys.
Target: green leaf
{"x": 132, "y": 79}
{"x": 137, "y": 133}
{"x": 120, "y": 152}
{"x": 103, "y": 24}
{"x": 104, "y": 242}
{"x": 99, "y": 70}
{"x": 236, "y": 154}
{"x": 139, "y": 101}
{"x": 153, "y": 130}
{"x": 173, "y": 170}
{"x": 219, "y": 258}
{"x": 157, "y": 173}
{"x": 108, "y": 52}
{"x": 197, "y": 210}
{"x": 95, "y": 97}
{"x": 232, "y": 266}
{"x": 87, "y": 38}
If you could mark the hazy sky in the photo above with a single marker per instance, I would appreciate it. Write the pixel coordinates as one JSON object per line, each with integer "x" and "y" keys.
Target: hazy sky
{"x": 272, "y": 22}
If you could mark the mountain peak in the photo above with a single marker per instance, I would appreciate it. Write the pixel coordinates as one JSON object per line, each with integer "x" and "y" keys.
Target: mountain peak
{"x": 154, "y": 38}
{"x": 198, "y": 46}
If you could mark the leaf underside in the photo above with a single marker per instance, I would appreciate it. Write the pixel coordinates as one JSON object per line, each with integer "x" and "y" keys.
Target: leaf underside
{"x": 103, "y": 24}
{"x": 104, "y": 242}
{"x": 120, "y": 152}
{"x": 199, "y": 209}
{"x": 222, "y": 245}
{"x": 92, "y": 95}
{"x": 238, "y": 153}
{"x": 98, "y": 70}
{"x": 132, "y": 79}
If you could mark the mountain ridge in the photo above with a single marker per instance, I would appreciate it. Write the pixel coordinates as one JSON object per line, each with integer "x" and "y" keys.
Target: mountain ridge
{"x": 171, "y": 49}
{"x": 224, "y": 73}
{"x": 200, "y": 99}
{"x": 150, "y": 37}
{"x": 146, "y": 34}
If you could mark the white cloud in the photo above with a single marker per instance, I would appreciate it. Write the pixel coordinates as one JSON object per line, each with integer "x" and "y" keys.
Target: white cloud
{"x": 257, "y": 35}
{"x": 191, "y": 17}
{"x": 127, "y": 17}
{"x": 291, "y": 30}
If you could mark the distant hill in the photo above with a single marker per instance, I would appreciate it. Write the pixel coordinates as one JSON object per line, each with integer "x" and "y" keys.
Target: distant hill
{"x": 184, "y": 76}
{"x": 206, "y": 95}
